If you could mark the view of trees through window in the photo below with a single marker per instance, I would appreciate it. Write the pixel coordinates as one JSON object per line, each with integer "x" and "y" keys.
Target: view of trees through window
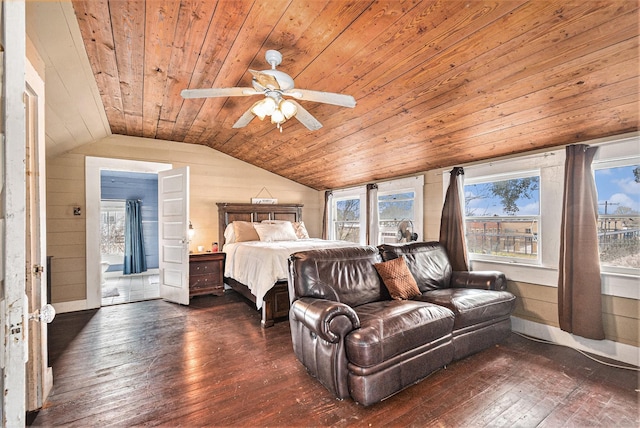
{"x": 347, "y": 220}
{"x": 112, "y": 218}
{"x": 501, "y": 217}
{"x": 619, "y": 215}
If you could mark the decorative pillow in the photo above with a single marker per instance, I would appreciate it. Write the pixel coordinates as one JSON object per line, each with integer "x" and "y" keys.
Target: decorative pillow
{"x": 245, "y": 231}
{"x": 298, "y": 227}
{"x": 301, "y": 230}
{"x": 270, "y": 232}
{"x": 229, "y": 234}
{"x": 398, "y": 279}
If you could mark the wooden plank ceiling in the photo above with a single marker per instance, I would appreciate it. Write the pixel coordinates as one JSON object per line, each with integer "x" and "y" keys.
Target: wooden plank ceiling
{"x": 437, "y": 83}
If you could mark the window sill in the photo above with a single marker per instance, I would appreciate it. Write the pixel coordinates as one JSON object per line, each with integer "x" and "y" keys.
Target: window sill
{"x": 613, "y": 284}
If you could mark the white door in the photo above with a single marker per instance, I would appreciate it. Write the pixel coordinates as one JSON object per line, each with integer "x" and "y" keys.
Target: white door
{"x": 39, "y": 375}
{"x": 173, "y": 225}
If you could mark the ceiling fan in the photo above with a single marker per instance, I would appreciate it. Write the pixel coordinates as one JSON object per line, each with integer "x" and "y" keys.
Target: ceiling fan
{"x": 275, "y": 85}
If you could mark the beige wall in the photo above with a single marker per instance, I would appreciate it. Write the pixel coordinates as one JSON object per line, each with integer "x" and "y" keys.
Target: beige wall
{"x": 433, "y": 201}
{"x": 214, "y": 177}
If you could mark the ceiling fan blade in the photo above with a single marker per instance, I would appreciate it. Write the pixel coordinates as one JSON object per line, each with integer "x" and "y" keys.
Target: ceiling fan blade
{"x": 306, "y": 118}
{"x": 265, "y": 80}
{"x": 244, "y": 119}
{"x": 218, "y": 92}
{"x": 322, "y": 97}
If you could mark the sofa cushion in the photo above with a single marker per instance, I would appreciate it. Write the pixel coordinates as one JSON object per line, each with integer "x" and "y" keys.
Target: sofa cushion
{"x": 472, "y": 306}
{"x": 389, "y": 328}
{"x": 397, "y": 278}
{"x": 427, "y": 261}
{"x": 343, "y": 275}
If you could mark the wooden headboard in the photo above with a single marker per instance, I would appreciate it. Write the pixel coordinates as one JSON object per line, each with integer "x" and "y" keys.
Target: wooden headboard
{"x": 229, "y": 212}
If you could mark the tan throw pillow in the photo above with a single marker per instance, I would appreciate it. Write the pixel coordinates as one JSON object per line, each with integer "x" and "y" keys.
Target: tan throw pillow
{"x": 301, "y": 230}
{"x": 245, "y": 231}
{"x": 398, "y": 279}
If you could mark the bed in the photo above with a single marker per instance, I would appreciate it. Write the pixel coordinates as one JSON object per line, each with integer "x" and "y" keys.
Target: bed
{"x": 257, "y": 269}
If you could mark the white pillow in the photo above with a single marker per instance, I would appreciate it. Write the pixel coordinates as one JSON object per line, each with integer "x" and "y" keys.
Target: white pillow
{"x": 229, "y": 234}
{"x": 298, "y": 227}
{"x": 271, "y": 232}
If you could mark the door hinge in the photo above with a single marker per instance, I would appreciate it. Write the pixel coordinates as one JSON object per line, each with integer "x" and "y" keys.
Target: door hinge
{"x": 38, "y": 270}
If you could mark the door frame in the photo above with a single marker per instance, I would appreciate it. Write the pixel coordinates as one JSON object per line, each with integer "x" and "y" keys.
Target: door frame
{"x": 13, "y": 310}
{"x": 93, "y": 166}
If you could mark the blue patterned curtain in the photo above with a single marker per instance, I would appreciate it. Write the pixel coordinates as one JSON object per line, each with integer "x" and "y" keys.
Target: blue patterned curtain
{"x": 134, "y": 256}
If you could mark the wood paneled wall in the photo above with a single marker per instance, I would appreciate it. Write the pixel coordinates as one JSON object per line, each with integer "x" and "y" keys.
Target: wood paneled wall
{"x": 215, "y": 177}
{"x": 539, "y": 303}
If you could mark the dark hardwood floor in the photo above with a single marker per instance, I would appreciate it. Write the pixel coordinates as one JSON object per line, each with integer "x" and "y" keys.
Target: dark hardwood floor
{"x": 209, "y": 364}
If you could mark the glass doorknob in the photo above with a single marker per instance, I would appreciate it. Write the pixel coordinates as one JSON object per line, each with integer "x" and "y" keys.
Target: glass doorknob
{"x": 46, "y": 314}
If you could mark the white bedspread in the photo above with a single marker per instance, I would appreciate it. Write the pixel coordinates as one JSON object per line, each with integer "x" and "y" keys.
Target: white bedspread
{"x": 259, "y": 265}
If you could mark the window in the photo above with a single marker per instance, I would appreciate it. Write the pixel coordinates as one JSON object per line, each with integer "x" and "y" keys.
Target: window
{"x": 618, "y": 186}
{"x": 347, "y": 220}
{"x": 348, "y": 215}
{"x": 395, "y": 214}
{"x": 389, "y": 206}
{"x": 112, "y": 219}
{"x": 502, "y": 216}
{"x": 616, "y": 162}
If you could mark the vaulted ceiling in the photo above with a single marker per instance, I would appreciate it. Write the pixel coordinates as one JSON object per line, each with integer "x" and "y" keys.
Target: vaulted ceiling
{"x": 437, "y": 83}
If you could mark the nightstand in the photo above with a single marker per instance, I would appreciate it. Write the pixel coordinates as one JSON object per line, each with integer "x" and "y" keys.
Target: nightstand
{"x": 206, "y": 272}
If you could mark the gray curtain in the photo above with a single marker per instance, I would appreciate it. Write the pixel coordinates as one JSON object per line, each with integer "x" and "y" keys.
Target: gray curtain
{"x": 135, "y": 260}
{"x": 579, "y": 283}
{"x": 325, "y": 215}
{"x": 372, "y": 218}
{"x": 452, "y": 223}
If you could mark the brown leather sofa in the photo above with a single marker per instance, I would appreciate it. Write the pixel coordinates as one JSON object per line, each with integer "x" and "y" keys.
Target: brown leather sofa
{"x": 358, "y": 342}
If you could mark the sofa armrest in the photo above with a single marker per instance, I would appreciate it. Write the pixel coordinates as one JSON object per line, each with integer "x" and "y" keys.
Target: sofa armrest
{"x": 486, "y": 280}
{"x": 328, "y": 319}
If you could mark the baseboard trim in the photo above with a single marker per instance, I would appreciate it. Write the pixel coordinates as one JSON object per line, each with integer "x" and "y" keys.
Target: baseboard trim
{"x": 72, "y": 306}
{"x": 605, "y": 348}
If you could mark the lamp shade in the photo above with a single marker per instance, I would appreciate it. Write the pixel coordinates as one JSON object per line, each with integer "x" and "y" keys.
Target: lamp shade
{"x": 277, "y": 117}
{"x": 263, "y": 108}
{"x": 288, "y": 108}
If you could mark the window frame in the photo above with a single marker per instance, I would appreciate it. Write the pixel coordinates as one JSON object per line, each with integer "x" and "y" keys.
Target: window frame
{"x": 511, "y": 175}
{"x": 367, "y": 218}
{"x": 346, "y": 194}
{"x": 607, "y": 163}
{"x": 551, "y": 165}
{"x": 403, "y": 185}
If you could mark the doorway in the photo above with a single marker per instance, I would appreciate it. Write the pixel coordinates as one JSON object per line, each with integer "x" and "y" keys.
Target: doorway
{"x": 96, "y": 277}
{"x": 116, "y": 286}
{"x": 118, "y": 283}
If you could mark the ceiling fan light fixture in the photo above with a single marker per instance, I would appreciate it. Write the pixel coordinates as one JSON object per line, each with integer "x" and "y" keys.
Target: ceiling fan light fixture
{"x": 288, "y": 109}
{"x": 278, "y": 117}
{"x": 264, "y": 107}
